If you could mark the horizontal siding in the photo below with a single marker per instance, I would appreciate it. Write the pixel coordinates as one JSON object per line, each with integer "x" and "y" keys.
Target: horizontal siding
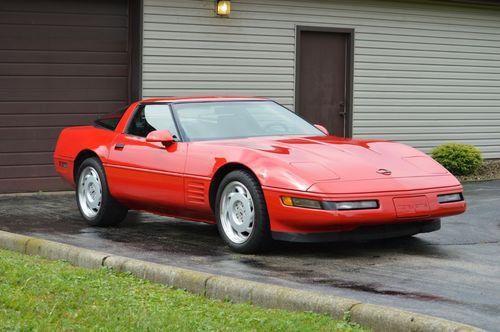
{"x": 425, "y": 72}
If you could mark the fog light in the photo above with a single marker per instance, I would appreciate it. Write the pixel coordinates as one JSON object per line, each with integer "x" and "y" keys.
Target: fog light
{"x": 353, "y": 205}
{"x": 448, "y": 198}
{"x": 301, "y": 202}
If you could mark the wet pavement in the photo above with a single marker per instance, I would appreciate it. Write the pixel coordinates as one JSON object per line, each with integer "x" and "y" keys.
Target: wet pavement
{"x": 453, "y": 273}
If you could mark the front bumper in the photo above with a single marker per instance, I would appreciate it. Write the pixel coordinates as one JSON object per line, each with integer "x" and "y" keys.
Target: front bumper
{"x": 363, "y": 233}
{"x": 395, "y": 207}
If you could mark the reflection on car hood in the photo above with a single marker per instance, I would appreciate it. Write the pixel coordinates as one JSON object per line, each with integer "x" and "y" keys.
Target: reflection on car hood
{"x": 330, "y": 158}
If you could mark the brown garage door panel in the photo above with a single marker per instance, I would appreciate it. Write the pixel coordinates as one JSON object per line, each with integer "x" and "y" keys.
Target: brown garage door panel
{"x": 44, "y": 82}
{"x": 28, "y": 145}
{"x": 13, "y": 17}
{"x": 23, "y": 158}
{"x": 40, "y": 120}
{"x": 89, "y": 107}
{"x": 68, "y": 57}
{"x": 36, "y": 69}
{"x": 112, "y": 7}
{"x": 27, "y": 171}
{"x": 26, "y": 185}
{"x": 62, "y": 63}
{"x": 64, "y": 95}
{"x": 8, "y": 135}
{"x": 63, "y": 38}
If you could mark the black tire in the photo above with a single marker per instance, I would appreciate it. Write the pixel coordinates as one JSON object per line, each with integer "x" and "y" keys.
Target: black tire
{"x": 111, "y": 212}
{"x": 260, "y": 238}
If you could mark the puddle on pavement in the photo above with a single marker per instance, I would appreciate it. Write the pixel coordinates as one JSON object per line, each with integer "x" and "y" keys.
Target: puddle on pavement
{"x": 376, "y": 290}
{"x": 307, "y": 276}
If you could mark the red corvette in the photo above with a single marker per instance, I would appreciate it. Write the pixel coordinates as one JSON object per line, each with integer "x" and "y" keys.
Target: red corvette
{"x": 256, "y": 169}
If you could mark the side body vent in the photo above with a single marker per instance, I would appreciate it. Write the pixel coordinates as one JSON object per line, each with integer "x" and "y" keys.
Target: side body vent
{"x": 195, "y": 192}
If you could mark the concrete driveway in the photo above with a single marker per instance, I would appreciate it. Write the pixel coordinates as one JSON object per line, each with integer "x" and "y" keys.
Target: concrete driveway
{"x": 453, "y": 273}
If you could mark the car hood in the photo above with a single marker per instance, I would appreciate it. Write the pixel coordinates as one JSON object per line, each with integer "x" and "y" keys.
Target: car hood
{"x": 328, "y": 158}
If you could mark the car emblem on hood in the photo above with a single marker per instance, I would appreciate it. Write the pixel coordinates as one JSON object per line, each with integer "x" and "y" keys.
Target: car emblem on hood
{"x": 384, "y": 171}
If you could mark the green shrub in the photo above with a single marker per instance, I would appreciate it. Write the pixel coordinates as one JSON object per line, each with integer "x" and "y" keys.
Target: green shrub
{"x": 459, "y": 159}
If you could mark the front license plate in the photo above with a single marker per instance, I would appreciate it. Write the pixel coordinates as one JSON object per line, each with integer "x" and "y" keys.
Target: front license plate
{"x": 416, "y": 206}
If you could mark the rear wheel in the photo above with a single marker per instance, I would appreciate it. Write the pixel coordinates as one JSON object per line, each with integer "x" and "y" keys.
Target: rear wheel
{"x": 96, "y": 205}
{"x": 241, "y": 213}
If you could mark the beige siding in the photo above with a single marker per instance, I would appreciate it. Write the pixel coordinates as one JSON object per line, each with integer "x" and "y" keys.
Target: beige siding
{"x": 425, "y": 72}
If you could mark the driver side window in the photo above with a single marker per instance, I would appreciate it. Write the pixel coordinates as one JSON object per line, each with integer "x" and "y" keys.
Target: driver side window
{"x": 149, "y": 118}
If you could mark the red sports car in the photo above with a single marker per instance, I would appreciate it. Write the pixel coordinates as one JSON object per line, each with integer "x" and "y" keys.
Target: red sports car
{"x": 256, "y": 169}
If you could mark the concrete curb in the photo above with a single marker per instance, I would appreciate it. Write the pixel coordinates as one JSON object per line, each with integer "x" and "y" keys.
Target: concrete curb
{"x": 375, "y": 317}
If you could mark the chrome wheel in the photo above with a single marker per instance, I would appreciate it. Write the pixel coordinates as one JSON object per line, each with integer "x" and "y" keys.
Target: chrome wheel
{"x": 237, "y": 212}
{"x": 89, "y": 192}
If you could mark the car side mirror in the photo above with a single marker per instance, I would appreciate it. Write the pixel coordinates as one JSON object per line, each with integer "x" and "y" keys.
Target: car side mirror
{"x": 160, "y": 136}
{"x": 323, "y": 129}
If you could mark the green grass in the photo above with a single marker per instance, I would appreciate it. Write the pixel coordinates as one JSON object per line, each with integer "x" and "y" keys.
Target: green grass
{"x": 42, "y": 295}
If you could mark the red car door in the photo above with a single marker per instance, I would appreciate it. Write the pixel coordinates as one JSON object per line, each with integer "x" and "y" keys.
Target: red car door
{"x": 145, "y": 174}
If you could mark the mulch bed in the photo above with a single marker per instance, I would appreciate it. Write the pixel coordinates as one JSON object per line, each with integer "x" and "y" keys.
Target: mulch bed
{"x": 490, "y": 170}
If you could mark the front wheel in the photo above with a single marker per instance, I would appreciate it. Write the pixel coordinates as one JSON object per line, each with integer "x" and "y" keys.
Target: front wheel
{"x": 241, "y": 213}
{"x": 96, "y": 205}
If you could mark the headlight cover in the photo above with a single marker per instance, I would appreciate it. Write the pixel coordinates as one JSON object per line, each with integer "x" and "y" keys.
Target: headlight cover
{"x": 352, "y": 205}
{"x": 323, "y": 205}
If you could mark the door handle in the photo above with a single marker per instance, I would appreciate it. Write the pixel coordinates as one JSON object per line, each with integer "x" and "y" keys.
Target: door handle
{"x": 342, "y": 111}
{"x": 119, "y": 146}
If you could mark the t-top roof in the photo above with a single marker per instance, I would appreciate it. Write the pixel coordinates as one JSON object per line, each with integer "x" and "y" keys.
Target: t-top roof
{"x": 199, "y": 99}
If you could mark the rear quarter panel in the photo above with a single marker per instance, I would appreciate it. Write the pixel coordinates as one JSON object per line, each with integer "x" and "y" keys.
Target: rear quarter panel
{"x": 74, "y": 140}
